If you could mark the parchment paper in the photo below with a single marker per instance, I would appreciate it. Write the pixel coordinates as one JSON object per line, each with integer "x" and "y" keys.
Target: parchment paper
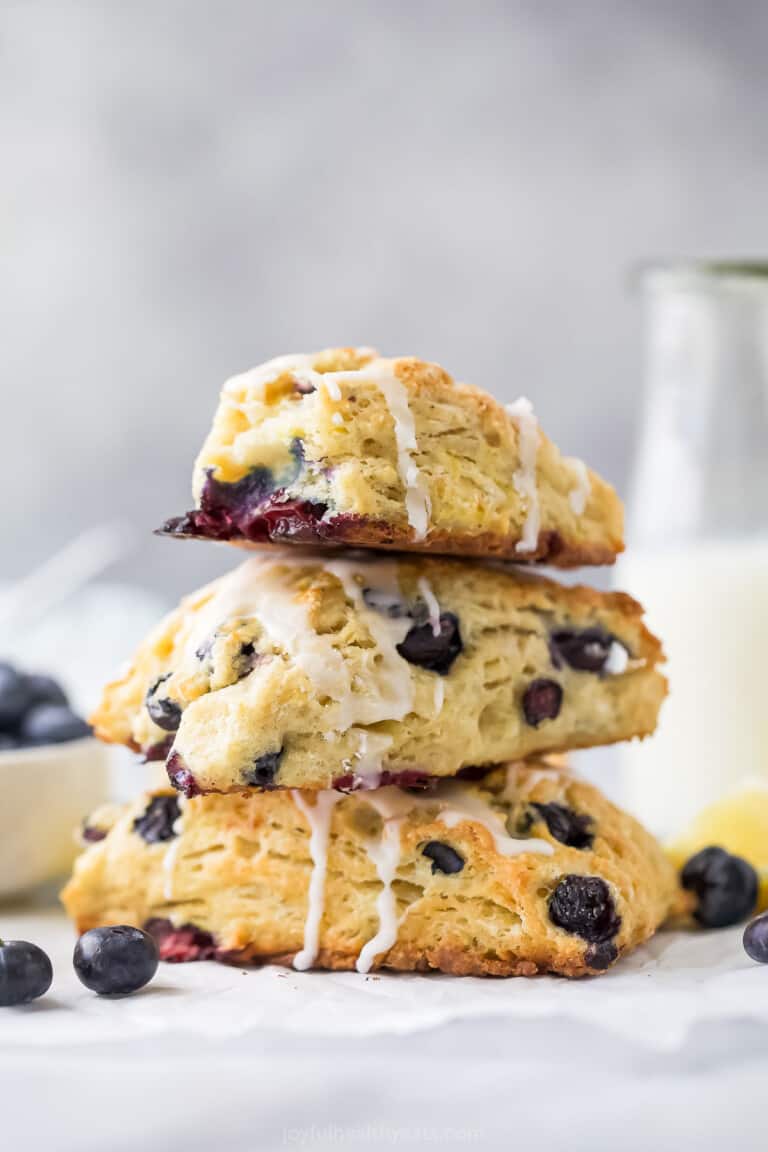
{"x": 653, "y": 997}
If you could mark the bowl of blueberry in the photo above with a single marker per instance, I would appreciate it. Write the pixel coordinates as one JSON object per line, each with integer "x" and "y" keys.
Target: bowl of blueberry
{"x": 51, "y": 771}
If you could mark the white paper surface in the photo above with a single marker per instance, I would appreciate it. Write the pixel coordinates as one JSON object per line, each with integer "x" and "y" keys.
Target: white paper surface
{"x": 652, "y": 998}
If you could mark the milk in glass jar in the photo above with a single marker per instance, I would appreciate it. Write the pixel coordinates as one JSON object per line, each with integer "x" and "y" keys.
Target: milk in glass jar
{"x": 697, "y": 536}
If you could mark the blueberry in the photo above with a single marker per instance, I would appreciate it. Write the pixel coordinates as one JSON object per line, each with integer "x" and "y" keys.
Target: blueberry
{"x": 15, "y": 697}
{"x": 52, "y": 724}
{"x": 262, "y": 772}
{"x": 756, "y": 938}
{"x": 726, "y": 887}
{"x": 7, "y": 741}
{"x": 541, "y": 701}
{"x": 157, "y": 820}
{"x": 584, "y": 906}
{"x": 443, "y": 857}
{"x": 45, "y": 690}
{"x": 164, "y": 712}
{"x": 601, "y": 956}
{"x": 115, "y": 961}
{"x": 180, "y": 776}
{"x": 585, "y": 650}
{"x": 25, "y": 972}
{"x": 434, "y": 653}
{"x": 569, "y": 827}
{"x": 90, "y": 834}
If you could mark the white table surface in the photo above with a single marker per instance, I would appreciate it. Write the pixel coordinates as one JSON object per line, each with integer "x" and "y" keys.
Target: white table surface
{"x": 492, "y": 1083}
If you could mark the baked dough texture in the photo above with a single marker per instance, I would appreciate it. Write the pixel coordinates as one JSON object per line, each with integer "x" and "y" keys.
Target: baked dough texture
{"x": 299, "y": 670}
{"x": 346, "y": 448}
{"x": 529, "y": 870}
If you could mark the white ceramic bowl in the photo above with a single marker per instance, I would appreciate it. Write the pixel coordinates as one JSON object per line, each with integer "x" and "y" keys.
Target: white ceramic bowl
{"x": 44, "y": 795}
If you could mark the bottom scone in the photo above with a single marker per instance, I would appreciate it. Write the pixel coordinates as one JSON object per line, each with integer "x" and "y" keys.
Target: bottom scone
{"x": 527, "y": 870}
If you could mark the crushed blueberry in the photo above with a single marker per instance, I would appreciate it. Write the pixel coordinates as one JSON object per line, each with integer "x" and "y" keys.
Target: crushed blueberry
{"x": 157, "y": 820}
{"x": 255, "y": 507}
{"x": 444, "y": 858}
{"x": 163, "y": 711}
{"x": 541, "y": 701}
{"x": 25, "y": 972}
{"x": 756, "y": 939}
{"x": 262, "y": 772}
{"x": 584, "y": 649}
{"x": 180, "y": 776}
{"x": 434, "y": 653}
{"x": 115, "y": 961}
{"x": 571, "y": 828}
{"x": 409, "y": 779}
{"x": 584, "y": 906}
{"x": 158, "y": 751}
{"x": 725, "y": 885}
{"x": 179, "y": 945}
{"x": 601, "y": 956}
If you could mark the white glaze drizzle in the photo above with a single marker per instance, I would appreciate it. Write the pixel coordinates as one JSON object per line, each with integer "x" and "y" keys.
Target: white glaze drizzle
{"x": 417, "y": 502}
{"x": 258, "y": 588}
{"x": 172, "y": 851}
{"x": 617, "y": 660}
{"x": 365, "y": 766}
{"x": 579, "y": 495}
{"x": 385, "y": 855}
{"x": 379, "y": 372}
{"x": 253, "y": 383}
{"x": 524, "y": 477}
{"x": 439, "y": 697}
{"x": 391, "y": 694}
{"x": 464, "y": 805}
{"x": 455, "y": 804}
{"x": 337, "y": 419}
{"x": 429, "y": 598}
{"x": 319, "y": 817}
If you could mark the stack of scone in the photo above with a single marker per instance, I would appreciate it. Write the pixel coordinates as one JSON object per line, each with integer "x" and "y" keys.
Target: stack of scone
{"x": 356, "y": 740}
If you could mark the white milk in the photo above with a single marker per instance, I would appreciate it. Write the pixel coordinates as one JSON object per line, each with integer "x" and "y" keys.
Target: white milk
{"x": 708, "y": 602}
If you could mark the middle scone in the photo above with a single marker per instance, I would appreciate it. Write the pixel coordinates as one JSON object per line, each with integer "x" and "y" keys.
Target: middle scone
{"x": 301, "y": 672}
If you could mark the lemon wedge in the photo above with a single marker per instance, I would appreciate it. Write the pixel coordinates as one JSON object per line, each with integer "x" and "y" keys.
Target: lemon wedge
{"x": 738, "y": 823}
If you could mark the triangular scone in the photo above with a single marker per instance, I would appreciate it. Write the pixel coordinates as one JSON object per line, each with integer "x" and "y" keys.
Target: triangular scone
{"x": 344, "y": 447}
{"x": 527, "y": 870}
{"x": 315, "y": 671}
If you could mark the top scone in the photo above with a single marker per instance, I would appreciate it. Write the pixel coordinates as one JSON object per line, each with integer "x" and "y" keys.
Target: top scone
{"x": 344, "y": 447}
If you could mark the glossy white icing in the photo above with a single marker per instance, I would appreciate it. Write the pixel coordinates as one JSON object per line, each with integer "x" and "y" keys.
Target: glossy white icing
{"x": 429, "y": 598}
{"x": 319, "y": 816}
{"x": 579, "y": 494}
{"x": 385, "y": 854}
{"x": 524, "y": 477}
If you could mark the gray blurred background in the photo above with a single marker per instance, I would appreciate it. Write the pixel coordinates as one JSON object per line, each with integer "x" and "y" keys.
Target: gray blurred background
{"x": 190, "y": 188}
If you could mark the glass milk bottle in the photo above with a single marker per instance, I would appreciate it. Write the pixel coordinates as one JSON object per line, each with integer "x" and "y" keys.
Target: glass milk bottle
{"x": 697, "y": 536}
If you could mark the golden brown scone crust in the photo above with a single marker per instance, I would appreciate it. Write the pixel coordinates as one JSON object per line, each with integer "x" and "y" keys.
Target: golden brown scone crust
{"x": 239, "y": 870}
{"x": 335, "y": 448}
{"x": 290, "y": 665}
